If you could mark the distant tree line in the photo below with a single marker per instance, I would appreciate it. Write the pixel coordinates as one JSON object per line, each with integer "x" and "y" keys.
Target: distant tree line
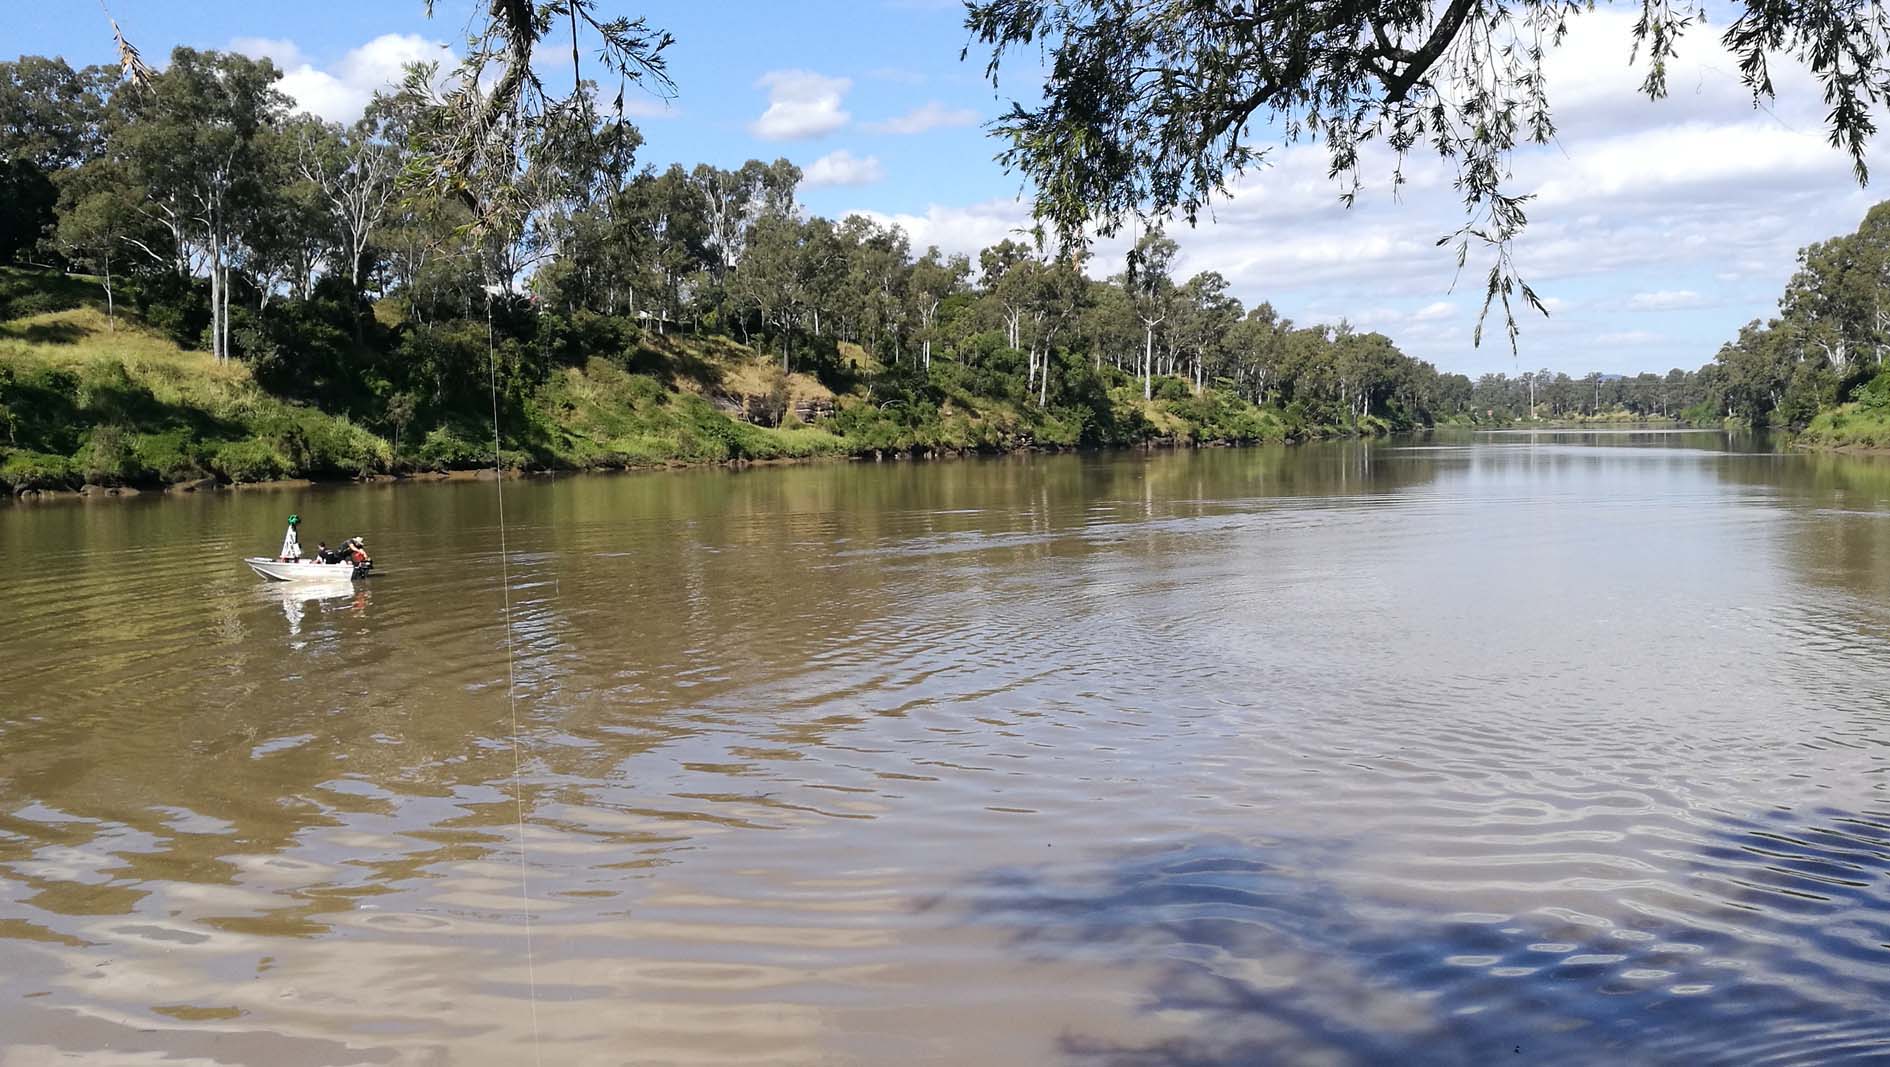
{"x": 1546, "y": 394}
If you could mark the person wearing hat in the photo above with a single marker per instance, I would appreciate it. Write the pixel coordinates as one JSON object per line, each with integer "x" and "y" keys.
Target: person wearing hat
{"x": 292, "y": 548}
{"x": 356, "y": 549}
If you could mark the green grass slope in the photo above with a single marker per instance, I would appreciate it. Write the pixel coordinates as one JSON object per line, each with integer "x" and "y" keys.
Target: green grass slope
{"x": 86, "y": 400}
{"x": 82, "y": 401}
{"x": 1848, "y": 426}
{"x": 1860, "y": 424}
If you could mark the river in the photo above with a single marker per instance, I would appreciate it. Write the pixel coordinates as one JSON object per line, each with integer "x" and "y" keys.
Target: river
{"x": 1519, "y": 747}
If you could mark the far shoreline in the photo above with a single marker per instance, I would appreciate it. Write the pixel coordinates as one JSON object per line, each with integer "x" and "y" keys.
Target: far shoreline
{"x": 209, "y": 486}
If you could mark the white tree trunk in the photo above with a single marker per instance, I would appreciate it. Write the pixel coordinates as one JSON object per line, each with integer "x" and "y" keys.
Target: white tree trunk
{"x": 1148, "y": 362}
{"x": 111, "y": 309}
{"x": 225, "y": 327}
{"x": 216, "y": 291}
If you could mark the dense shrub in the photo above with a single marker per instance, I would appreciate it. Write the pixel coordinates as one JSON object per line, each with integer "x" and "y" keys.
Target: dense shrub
{"x": 327, "y": 349}
{"x": 177, "y": 307}
{"x": 171, "y": 456}
{"x": 248, "y": 460}
{"x": 21, "y": 471}
{"x": 1217, "y": 416}
{"x": 1874, "y": 393}
{"x": 314, "y": 446}
{"x": 43, "y": 408}
{"x": 572, "y": 340}
{"x": 1810, "y": 388}
{"x": 109, "y": 458}
{"x": 451, "y": 448}
{"x": 38, "y": 303}
{"x": 1169, "y": 387}
{"x": 867, "y": 428}
{"x": 1060, "y": 431}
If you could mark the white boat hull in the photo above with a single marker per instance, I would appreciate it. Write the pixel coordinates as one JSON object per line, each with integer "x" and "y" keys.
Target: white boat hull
{"x": 307, "y": 570}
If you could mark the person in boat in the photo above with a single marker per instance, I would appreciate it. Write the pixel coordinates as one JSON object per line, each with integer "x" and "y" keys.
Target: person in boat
{"x": 357, "y": 555}
{"x": 330, "y": 555}
{"x": 291, "y": 548}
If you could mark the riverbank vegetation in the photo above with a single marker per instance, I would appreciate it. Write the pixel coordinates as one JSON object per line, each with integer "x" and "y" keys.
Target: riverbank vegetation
{"x": 1816, "y": 369}
{"x": 206, "y": 285}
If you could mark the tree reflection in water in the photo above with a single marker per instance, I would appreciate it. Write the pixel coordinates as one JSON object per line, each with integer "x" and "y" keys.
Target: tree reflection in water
{"x": 1765, "y": 940}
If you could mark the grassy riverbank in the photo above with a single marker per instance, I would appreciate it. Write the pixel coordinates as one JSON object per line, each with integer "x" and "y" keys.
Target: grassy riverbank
{"x": 86, "y": 401}
{"x": 1850, "y": 427}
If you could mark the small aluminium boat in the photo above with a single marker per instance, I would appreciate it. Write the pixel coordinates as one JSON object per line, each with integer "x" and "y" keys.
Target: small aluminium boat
{"x": 304, "y": 570}
{"x": 289, "y": 566}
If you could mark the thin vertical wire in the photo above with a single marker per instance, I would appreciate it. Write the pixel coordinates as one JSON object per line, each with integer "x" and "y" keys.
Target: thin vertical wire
{"x": 511, "y": 687}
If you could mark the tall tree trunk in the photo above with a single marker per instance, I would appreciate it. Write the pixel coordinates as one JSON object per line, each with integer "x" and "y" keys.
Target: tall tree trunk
{"x": 1148, "y": 362}
{"x": 216, "y": 291}
{"x": 226, "y": 308}
{"x": 111, "y": 309}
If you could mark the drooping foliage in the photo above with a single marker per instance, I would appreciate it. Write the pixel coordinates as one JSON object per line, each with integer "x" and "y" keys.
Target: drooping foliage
{"x": 1150, "y": 109}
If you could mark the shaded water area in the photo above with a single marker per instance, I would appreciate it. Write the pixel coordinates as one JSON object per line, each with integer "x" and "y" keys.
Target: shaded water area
{"x": 1545, "y": 748}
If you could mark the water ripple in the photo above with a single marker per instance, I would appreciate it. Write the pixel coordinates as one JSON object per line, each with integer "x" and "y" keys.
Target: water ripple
{"x": 1557, "y": 748}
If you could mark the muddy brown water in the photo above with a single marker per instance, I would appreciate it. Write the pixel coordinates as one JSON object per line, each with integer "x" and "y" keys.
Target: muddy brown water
{"x": 1544, "y": 747}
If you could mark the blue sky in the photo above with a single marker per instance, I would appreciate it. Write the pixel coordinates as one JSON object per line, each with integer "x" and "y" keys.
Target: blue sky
{"x": 895, "y": 58}
{"x": 1658, "y": 227}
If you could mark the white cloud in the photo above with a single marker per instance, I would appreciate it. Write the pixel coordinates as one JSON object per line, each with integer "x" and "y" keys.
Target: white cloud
{"x": 843, "y": 168}
{"x": 1666, "y": 300}
{"x": 1628, "y": 337}
{"x": 1441, "y": 309}
{"x": 1753, "y": 153}
{"x": 342, "y": 91}
{"x": 801, "y": 104}
{"x": 958, "y": 229}
{"x": 649, "y": 107}
{"x": 282, "y": 51}
{"x": 931, "y": 115}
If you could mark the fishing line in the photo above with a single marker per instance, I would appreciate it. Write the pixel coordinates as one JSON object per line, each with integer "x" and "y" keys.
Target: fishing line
{"x": 511, "y": 686}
